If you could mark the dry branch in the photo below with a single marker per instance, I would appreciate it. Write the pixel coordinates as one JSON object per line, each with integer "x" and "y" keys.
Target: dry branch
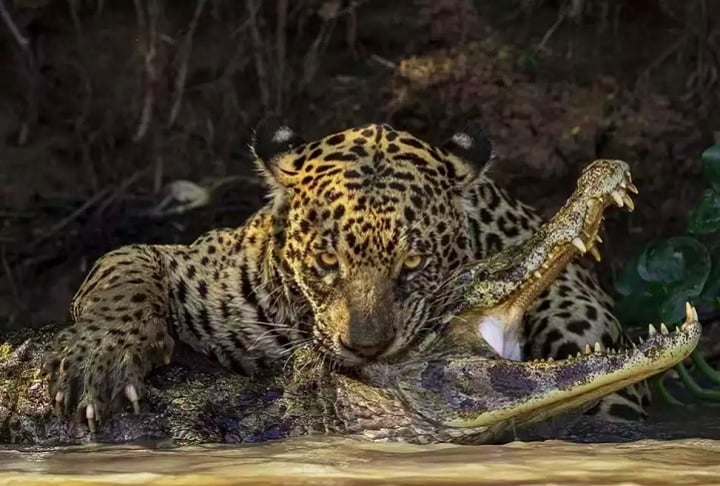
{"x": 17, "y": 35}
{"x": 280, "y": 52}
{"x": 181, "y": 78}
{"x": 148, "y": 26}
{"x": 257, "y": 44}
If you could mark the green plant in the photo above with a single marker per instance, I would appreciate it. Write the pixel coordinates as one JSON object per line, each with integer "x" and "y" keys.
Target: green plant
{"x": 655, "y": 285}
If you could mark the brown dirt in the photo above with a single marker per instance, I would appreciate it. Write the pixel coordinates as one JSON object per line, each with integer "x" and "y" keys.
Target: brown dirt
{"x": 79, "y": 167}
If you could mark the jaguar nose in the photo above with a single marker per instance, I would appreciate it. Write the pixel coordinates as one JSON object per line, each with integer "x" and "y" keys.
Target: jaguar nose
{"x": 365, "y": 350}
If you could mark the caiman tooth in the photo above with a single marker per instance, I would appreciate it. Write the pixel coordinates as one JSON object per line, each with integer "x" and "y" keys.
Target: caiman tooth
{"x": 551, "y": 359}
{"x": 628, "y": 202}
{"x": 588, "y": 350}
{"x": 640, "y": 339}
{"x": 617, "y": 197}
{"x": 663, "y": 328}
{"x": 651, "y": 330}
{"x": 598, "y": 348}
{"x": 690, "y": 313}
{"x": 537, "y": 274}
{"x": 579, "y": 355}
{"x": 578, "y": 243}
{"x": 595, "y": 254}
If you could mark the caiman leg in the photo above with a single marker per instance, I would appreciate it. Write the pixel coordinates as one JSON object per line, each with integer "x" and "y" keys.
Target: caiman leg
{"x": 453, "y": 387}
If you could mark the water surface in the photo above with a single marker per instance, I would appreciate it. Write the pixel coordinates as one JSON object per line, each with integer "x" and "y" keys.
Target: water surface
{"x": 677, "y": 446}
{"x": 342, "y": 461}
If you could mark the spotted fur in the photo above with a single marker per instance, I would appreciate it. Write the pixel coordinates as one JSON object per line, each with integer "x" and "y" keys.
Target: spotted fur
{"x": 360, "y": 230}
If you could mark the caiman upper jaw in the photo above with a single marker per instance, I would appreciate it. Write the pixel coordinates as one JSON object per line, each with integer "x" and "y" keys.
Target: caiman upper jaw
{"x": 573, "y": 230}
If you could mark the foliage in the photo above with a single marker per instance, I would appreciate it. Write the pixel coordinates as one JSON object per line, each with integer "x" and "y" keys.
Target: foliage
{"x": 656, "y": 284}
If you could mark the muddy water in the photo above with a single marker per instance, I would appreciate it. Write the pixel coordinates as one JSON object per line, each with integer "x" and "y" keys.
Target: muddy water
{"x": 677, "y": 447}
{"x": 350, "y": 462}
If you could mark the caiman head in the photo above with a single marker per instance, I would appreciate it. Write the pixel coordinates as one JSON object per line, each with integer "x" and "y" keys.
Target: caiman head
{"x": 456, "y": 385}
{"x": 491, "y": 296}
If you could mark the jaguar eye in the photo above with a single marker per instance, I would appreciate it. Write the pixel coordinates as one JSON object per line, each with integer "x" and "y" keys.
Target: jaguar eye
{"x": 414, "y": 262}
{"x": 327, "y": 260}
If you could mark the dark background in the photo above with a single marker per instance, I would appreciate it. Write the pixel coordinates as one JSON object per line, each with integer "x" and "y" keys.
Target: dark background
{"x": 104, "y": 103}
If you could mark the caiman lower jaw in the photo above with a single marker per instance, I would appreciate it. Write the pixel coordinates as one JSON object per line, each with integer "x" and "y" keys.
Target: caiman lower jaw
{"x": 527, "y": 392}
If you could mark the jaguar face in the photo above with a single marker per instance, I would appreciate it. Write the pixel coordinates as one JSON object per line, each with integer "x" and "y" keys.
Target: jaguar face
{"x": 370, "y": 222}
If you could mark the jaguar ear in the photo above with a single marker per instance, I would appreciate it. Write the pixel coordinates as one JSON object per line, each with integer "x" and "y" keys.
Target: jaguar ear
{"x": 273, "y": 143}
{"x": 472, "y": 151}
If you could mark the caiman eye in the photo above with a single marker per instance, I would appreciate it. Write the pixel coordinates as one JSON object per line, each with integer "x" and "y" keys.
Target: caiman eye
{"x": 327, "y": 260}
{"x": 414, "y": 262}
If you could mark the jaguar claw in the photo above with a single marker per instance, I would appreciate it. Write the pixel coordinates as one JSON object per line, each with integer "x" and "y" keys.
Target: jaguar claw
{"x": 59, "y": 402}
{"x": 90, "y": 416}
{"x": 132, "y": 395}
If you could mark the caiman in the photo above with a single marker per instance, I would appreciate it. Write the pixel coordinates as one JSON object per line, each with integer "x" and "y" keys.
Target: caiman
{"x": 453, "y": 386}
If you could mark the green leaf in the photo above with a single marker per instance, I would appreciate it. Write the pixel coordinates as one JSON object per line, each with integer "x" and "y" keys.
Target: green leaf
{"x": 705, "y": 218}
{"x": 629, "y": 282}
{"x": 672, "y": 311}
{"x": 681, "y": 264}
{"x": 711, "y": 291}
{"x": 639, "y": 310}
{"x": 711, "y": 165}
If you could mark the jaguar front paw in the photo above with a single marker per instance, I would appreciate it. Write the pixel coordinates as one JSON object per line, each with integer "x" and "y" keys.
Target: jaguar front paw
{"x": 95, "y": 371}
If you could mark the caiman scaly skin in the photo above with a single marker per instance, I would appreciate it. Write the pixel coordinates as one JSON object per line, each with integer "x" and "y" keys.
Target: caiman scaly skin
{"x": 452, "y": 386}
